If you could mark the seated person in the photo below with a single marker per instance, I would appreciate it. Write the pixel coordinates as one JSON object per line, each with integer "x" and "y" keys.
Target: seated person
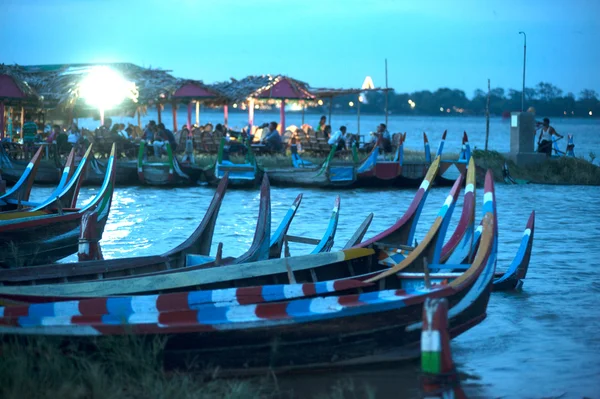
{"x": 338, "y": 139}
{"x": 163, "y": 136}
{"x": 272, "y": 140}
{"x": 149, "y": 131}
{"x": 385, "y": 143}
{"x": 74, "y": 135}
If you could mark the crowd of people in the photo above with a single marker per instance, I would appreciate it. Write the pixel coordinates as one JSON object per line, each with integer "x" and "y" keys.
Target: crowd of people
{"x": 157, "y": 136}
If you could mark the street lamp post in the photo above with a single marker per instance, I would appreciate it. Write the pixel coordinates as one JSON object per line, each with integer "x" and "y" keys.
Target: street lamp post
{"x": 524, "y": 61}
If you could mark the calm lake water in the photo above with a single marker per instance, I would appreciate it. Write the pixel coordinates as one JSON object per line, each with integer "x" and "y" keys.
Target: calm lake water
{"x": 541, "y": 342}
{"x": 586, "y": 131}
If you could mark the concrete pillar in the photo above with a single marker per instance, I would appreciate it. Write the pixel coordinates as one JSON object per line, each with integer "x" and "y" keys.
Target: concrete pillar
{"x": 522, "y": 138}
{"x": 522, "y": 132}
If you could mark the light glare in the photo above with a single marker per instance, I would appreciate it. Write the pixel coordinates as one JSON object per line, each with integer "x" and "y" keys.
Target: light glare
{"x": 105, "y": 88}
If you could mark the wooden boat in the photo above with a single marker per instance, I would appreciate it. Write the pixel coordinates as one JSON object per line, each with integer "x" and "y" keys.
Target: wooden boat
{"x": 324, "y": 244}
{"x": 449, "y": 170}
{"x": 48, "y": 172}
{"x": 512, "y": 278}
{"x": 329, "y": 174}
{"x": 439, "y": 378}
{"x": 22, "y": 188}
{"x": 244, "y": 175}
{"x": 126, "y": 172}
{"x": 52, "y": 274}
{"x": 168, "y": 173}
{"x": 313, "y": 268}
{"x": 397, "y": 173}
{"x": 63, "y": 196}
{"x": 46, "y": 235}
{"x": 258, "y": 329}
{"x": 191, "y": 253}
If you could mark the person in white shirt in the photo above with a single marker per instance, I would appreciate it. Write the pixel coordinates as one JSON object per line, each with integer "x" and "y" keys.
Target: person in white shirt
{"x": 339, "y": 139}
{"x": 74, "y": 134}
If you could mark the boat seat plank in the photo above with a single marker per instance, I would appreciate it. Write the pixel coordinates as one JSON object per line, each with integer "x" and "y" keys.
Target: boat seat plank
{"x": 74, "y": 269}
{"x": 302, "y": 240}
{"x": 449, "y": 266}
{"x": 195, "y": 260}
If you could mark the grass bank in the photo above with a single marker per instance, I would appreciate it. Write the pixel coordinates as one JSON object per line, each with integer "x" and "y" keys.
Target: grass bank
{"x": 281, "y": 161}
{"x": 110, "y": 367}
{"x": 129, "y": 367}
{"x": 563, "y": 170}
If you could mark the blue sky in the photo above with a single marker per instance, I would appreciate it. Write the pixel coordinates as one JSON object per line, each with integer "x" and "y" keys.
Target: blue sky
{"x": 428, "y": 43}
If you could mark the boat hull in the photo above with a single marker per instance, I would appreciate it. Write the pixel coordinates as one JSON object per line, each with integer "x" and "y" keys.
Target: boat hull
{"x": 332, "y": 177}
{"x": 392, "y": 174}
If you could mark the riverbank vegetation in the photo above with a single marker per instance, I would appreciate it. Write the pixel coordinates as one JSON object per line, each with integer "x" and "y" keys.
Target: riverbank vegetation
{"x": 547, "y": 99}
{"x": 131, "y": 367}
{"x": 561, "y": 170}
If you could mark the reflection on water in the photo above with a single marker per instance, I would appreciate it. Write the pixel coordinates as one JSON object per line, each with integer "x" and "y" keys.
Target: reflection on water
{"x": 542, "y": 342}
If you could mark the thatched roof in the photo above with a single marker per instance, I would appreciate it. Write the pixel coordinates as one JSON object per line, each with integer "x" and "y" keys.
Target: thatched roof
{"x": 23, "y": 93}
{"x": 264, "y": 87}
{"x": 59, "y": 84}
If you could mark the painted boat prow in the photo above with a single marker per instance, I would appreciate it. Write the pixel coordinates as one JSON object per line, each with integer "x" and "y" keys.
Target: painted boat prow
{"x": 200, "y": 241}
{"x": 22, "y": 189}
{"x": 402, "y": 232}
{"x": 276, "y": 244}
{"x": 326, "y": 242}
{"x": 466, "y": 223}
{"x": 67, "y": 196}
{"x": 517, "y": 271}
{"x": 359, "y": 234}
{"x": 259, "y": 250}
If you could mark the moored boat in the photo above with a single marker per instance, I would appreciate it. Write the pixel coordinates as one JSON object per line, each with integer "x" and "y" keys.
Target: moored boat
{"x": 376, "y": 321}
{"x": 46, "y": 235}
{"x": 48, "y": 172}
{"x": 302, "y": 173}
{"x": 450, "y": 169}
{"x": 165, "y": 173}
{"x": 242, "y": 175}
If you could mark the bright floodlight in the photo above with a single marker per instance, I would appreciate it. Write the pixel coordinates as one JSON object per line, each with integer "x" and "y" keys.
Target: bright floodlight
{"x": 105, "y": 88}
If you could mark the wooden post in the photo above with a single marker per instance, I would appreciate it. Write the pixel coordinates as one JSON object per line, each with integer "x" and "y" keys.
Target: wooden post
{"x": 198, "y": 113}
{"x": 139, "y": 118}
{"x": 426, "y": 278}
{"x": 226, "y": 114}
{"x": 189, "y": 116}
{"x": 282, "y": 117}
{"x": 10, "y": 119}
{"x": 1, "y": 120}
{"x": 250, "y": 115}
{"x": 22, "y": 119}
{"x": 159, "y": 112}
{"x": 386, "y": 93}
{"x": 330, "y": 106}
{"x": 358, "y": 114}
{"x": 174, "y": 112}
{"x": 487, "y": 118}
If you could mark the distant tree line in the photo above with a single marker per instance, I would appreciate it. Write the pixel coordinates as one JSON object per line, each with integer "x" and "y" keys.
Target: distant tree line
{"x": 547, "y": 99}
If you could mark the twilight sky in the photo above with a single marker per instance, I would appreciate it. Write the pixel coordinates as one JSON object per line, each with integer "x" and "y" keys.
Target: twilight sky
{"x": 333, "y": 43}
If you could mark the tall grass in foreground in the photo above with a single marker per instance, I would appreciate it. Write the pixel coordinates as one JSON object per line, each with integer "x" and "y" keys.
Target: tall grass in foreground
{"x": 109, "y": 367}
{"x": 129, "y": 367}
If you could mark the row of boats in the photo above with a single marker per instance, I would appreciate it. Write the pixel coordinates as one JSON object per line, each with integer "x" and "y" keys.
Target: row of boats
{"x": 374, "y": 301}
{"x": 374, "y": 171}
